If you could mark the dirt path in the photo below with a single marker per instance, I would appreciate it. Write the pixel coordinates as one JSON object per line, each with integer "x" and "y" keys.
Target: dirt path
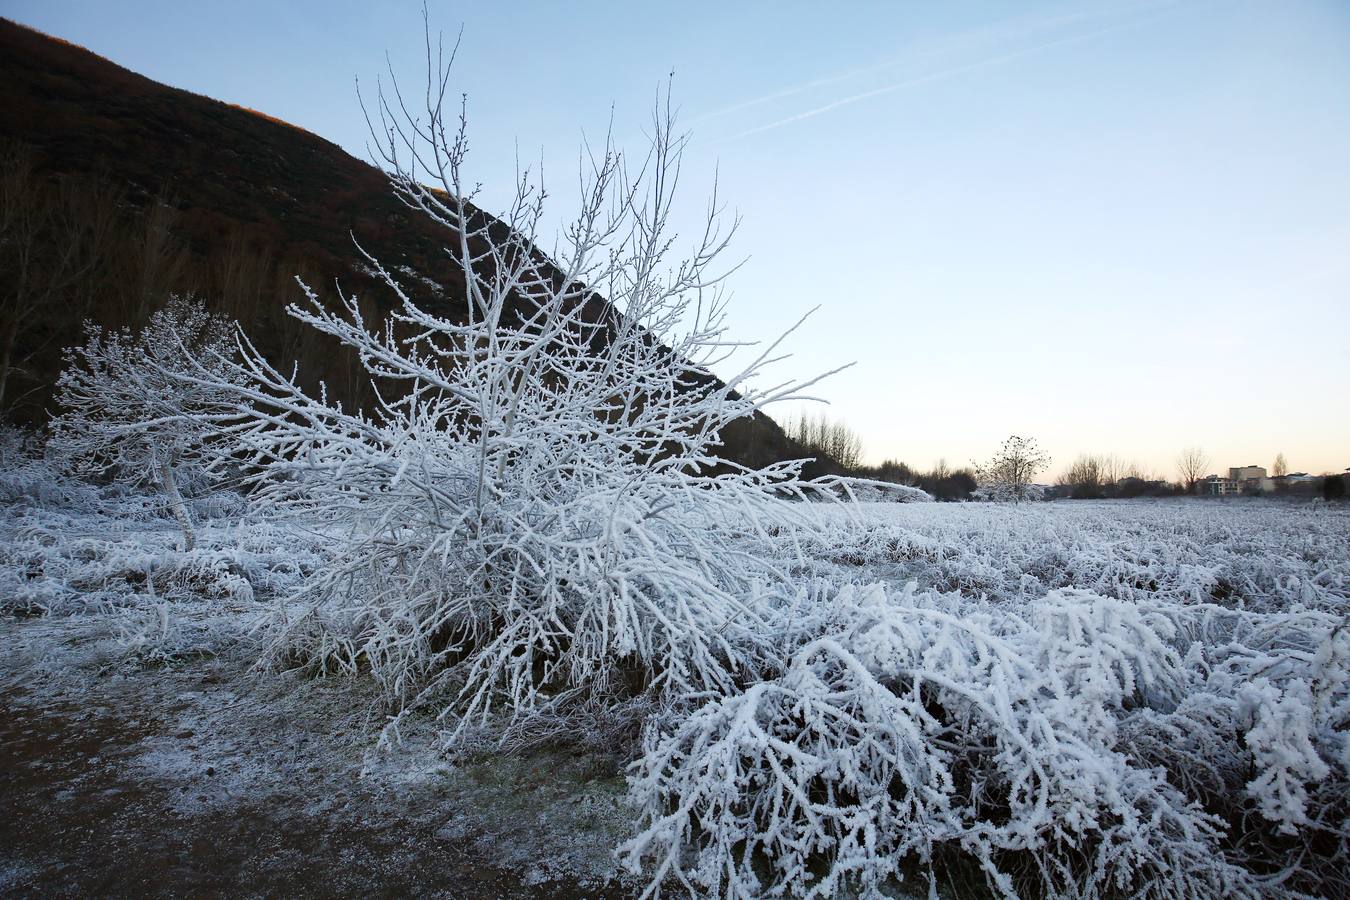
{"x": 176, "y": 783}
{"x": 73, "y": 823}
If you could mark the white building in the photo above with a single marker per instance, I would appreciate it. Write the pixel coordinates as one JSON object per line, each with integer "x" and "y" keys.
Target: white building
{"x": 1240, "y": 480}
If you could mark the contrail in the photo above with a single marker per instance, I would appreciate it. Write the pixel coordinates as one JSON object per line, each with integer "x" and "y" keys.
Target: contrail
{"x": 934, "y": 76}
{"x": 987, "y": 35}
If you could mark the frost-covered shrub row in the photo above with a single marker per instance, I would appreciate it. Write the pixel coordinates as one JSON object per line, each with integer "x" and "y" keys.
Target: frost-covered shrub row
{"x": 28, "y": 476}
{"x": 1069, "y": 742}
{"x": 1144, "y": 740}
{"x": 1063, "y": 741}
{"x": 1069, "y": 745}
{"x": 68, "y": 563}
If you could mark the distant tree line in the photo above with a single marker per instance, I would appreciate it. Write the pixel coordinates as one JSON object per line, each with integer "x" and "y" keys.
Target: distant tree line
{"x": 1334, "y": 487}
{"x": 1101, "y": 476}
{"x": 1011, "y": 473}
{"x": 833, "y": 440}
{"x": 821, "y": 436}
{"x": 1193, "y": 465}
{"x": 942, "y": 482}
{"x": 1104, "y": 476}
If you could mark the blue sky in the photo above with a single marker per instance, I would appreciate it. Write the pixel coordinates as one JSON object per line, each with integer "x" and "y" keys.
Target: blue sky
{"x": 1118, "y": 227}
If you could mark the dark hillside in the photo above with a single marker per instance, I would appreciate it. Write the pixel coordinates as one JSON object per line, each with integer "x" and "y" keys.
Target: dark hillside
{"x": 223, "y": 167}
{"x": 127, "y": 189}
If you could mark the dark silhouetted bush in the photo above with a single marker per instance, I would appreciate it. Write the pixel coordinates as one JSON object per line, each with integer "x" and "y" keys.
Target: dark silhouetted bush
{"x": 1333, "y": 487}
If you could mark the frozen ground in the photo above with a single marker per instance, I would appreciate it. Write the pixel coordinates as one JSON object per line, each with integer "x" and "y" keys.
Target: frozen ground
{"x": 142, "y": 752}
{"x": 189, "y": 776}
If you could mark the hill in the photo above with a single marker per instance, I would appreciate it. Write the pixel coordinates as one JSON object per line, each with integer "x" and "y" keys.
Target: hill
{"x": 119, "y": 190}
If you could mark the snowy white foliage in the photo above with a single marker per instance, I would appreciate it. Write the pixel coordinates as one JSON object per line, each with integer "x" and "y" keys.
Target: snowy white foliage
{"x": 29, "y": 476}
{"x": 883, "y": 491}
{"x": 537, "y": 512}
{"x": 72, "y": 548}
{"x": 923, "y": 724}
{"x": 121, "y": 558}
{"x": 1179, "y": 746}
{"x": 1002, "y": 492}
{"x": 125, "y": 412}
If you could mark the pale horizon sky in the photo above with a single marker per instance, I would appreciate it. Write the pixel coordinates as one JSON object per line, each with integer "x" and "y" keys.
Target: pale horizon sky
{"x": 1118, "y": 227}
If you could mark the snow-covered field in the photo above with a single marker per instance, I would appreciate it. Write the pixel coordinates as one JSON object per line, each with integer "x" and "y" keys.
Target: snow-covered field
{"x": 1113, "y": 698}
{"x": 1248, "y": 554}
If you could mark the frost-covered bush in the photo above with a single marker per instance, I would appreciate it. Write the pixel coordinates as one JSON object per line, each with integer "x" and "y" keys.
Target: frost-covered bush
{"x": 882, "y": 492}
{"x": 86, "y": 560}
{"x": 997, "y": 492}
{"x": 920, "y": 728}
{"x": 28, "y": 476}
{"x": 538, "y": 515}
{"x": 125, "y": 411}
{"x": 917, "y": 726}
{"x": 1133, "y": 738}
{"x": 68, "y": 545}
{"x": 1008, "y": 476}
{"x": 1261, "y": 736}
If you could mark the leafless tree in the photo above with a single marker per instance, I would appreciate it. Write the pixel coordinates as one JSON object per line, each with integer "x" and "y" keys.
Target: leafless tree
{"x": 825, "y": 437}
{"x": 540, "y": 478}
{"x": 53, "y": 234}
{"x": 1280, "y": 467}
{"x": 242, "y": 275}
{"x": 1112, "y": 468}
{"x": 1191, "y": 466}
{"x": 1084, "y": 478}
{"x": 1101, "y": 475}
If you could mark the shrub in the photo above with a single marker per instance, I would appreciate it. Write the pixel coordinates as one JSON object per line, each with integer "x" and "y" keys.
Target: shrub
{"x": 134, "y": 406}
{"x": 538, "y": 513}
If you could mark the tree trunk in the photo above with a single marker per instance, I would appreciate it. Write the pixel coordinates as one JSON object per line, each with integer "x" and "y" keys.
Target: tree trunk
{"x": 176, "y": 503}
{"x": 6, "y": 357}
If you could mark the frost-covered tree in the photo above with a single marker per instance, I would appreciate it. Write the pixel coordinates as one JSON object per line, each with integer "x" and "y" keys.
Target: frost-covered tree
{"x": 127, "y": 411}
{"x": 1012, "y": 470}
{"x": 539, "y": 513}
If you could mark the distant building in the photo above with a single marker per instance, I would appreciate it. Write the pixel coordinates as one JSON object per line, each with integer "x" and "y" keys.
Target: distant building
{"x": 1214, "y": 486}
{"x": 1240, "y": 480}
